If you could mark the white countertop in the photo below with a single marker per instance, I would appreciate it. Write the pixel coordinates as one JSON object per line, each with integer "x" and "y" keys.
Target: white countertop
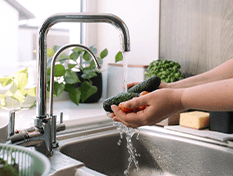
{"x": 71, "y": 112}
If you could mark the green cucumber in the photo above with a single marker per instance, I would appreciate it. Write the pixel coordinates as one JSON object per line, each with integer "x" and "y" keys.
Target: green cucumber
{"x": 116, "y": 100}
{"x": 148, "y": 85}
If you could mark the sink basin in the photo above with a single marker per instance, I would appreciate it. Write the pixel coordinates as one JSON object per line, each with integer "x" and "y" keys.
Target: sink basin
{"x": 160, "y": 154}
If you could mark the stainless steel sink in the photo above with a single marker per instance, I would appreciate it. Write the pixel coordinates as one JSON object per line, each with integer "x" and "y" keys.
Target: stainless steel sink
{"x": 160, "y": 154}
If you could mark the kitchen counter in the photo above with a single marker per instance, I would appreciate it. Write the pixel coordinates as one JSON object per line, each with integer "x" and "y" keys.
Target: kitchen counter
{"x": 72, "y": 114}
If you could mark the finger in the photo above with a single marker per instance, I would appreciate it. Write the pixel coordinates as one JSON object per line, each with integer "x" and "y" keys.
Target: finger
{"x": 117, "y": 111}
{"x": 129, "y": 85}
{"x": 136, "y": 102}
{"x": 112, "y": 115}
{"x": 131, "y": 125}
{"x": 129, "y": 119}
{"x": 134, "y": 117}
{"x": 124, "y": 118}
{"x": 162, "y": 85}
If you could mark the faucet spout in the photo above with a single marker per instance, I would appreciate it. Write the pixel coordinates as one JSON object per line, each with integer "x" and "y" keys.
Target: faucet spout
{"x": 41, "y": 111}
{"x": 53, "y": 66}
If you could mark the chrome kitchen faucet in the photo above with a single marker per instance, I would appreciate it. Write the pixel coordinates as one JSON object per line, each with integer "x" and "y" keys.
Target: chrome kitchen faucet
{"x": 43, "y": 134}
{"x": 42, "y": 47}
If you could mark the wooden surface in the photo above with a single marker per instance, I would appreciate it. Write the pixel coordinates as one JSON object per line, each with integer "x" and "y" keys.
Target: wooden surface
{"x": 196, "y": 33}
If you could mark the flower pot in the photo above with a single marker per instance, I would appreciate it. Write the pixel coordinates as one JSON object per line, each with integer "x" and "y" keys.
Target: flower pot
{"x": 96, "y": 81}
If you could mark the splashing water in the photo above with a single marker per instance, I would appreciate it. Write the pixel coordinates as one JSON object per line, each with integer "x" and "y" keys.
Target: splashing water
{"x": 129, "y": 132}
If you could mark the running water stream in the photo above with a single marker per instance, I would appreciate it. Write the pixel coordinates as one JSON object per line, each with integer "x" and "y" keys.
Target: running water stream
{"x": 129, "y": 132}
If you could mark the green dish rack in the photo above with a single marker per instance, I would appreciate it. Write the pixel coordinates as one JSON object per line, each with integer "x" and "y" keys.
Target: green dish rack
{"x": 22, "y": 161}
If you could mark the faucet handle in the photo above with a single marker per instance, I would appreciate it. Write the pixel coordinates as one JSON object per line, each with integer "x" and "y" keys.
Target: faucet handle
{"x": 56, "y": 128}
{"x": 61, "y": 117}
{"x": 11, "y": 125}
{"x": 61, "y": 126}
{"x": 54, "y": 132}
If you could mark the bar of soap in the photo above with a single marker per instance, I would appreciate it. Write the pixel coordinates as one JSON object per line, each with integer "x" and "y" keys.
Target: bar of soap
{"x": 195, "y": 119}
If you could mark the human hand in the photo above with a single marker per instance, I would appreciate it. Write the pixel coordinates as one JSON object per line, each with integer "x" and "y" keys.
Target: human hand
{"x": 129, "y": 85}
{"x": 160, "y": 104}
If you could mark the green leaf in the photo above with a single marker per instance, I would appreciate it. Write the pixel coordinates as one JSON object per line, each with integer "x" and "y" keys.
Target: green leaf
{"x": 104, "y": 53}
{"x": 86, "y": 56}
{"x": 75, "y": 95}
{"x": 88, "y": 73}
{"x": 62, "y": 58}
{"x": 77, "y": 49}
{"x": 69, "y": 87}
{"x": 21, "y": 79}
{"x": 100, "y": 60}
{"x": 71, "y": 77}
{"x": 93, "y": 49}
{"x": 17, "y": 90}
{"x": 48, "y": 72}
{"x": 8, "y": 93}
{"x": 5, "y": 81}
{"x": 32, "y": 91}
{"x": 56, "y": 47}
{"x": 58, "y": 88}
{"x": 48, "y": 78}
{"x": 87, "y": 90}
{"x": 70, "y": 66}
{"x": 92, "y": 65}
{"x": 74, "y": 56}
{"x": 13, "y": 88}
{"x": 50, "y": 52}
{"x": 20, "y": 95}
{"x": 118, "y": 57}
{"x": 58, "y": 71}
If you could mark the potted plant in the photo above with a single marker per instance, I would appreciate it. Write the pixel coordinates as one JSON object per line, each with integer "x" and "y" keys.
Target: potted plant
{"x": 82, "y": 81}
{"x": 17, "y": 91}
{"x": 167, "y": 70}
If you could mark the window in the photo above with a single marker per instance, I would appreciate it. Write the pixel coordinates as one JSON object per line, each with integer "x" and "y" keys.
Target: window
{"x": 18, "y": 37}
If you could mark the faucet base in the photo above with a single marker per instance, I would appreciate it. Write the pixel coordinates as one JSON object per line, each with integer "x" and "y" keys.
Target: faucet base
{"x": 55, "y": 144}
